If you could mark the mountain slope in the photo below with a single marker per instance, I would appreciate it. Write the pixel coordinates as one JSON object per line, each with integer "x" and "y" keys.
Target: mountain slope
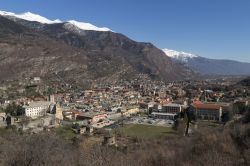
{"x": 209, "y": 66}
{"x": 31, "y": 48}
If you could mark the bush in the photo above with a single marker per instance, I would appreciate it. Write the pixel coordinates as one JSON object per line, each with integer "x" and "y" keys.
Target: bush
{"x": 14, "y": 110}
{"x": 207, "y": 147}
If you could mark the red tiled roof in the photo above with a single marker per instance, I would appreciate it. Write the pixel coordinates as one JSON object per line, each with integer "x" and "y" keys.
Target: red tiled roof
{"x": 206, "y": 106}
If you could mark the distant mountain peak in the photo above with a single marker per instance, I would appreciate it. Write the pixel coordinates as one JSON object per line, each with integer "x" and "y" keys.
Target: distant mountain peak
{"x": 179, "y": 55}
{"x": 30, "y": 17}
{"x": 35, "y": 17}
{"x": 208, "y": 66}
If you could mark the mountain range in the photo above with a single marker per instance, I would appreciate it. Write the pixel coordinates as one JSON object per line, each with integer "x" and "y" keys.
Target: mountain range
{"x": 206, "y": 66}
{"x": 32, "y": 45}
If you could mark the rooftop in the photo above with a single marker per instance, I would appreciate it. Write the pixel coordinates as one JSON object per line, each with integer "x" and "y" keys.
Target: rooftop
{"x": 38, "y": 104}
{"x": 206, "y": 106}
{"x": 171, "y": 105}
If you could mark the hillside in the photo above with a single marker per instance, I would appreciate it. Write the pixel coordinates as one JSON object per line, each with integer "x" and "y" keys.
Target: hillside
{"x": 209, "y": 145}
{"x": 36, "y": 49}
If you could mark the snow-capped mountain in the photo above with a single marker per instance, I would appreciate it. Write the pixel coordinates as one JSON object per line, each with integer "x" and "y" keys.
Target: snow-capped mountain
{"x": 208, "y": 66}
{"x": 28, "y": 16}
{"x": 87, "y": 26}
{"x": 41, "y": 48}
{"x": 180, "y": 56}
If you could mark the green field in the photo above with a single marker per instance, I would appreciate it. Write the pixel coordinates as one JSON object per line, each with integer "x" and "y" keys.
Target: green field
{"x": 145, "y": 131}
{"x": 209, "y": 124}
{"x": 65, "y": 132}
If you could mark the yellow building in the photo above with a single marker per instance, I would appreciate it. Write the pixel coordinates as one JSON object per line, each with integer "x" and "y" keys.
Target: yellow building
{"x": 133, "y": 111}
{"x": 130, "y": 111}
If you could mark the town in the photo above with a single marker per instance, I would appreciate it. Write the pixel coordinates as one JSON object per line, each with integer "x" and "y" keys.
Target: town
{"x": 124, "y": 83}
{"x": 138, "y": 102}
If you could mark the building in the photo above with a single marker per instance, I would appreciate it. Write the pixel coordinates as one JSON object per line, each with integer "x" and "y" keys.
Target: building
{"x": 152, "y": 105}
{"x": 59, "y": 114}
{"x": 207, "y": 111}
{"x": 168, "y": 111}
{"x": 109, "y": 139}
{"x": 52, "y": 98}
{"x": 36, "y": 80}
{"x": 133, "y": 111}
{"x": 91, "y": 117}
{"x": 163, "y": 115}
{"x": 2, "y": 119}
{"x": 171, "y": 108}
{"x": 37, "y": 109}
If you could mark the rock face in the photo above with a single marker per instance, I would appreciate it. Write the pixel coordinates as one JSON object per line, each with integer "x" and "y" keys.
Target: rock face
{"x": 29, "y": 49}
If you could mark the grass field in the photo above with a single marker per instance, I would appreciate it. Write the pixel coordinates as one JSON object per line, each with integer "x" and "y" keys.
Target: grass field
{"x": 65, "y": 132}
{"x": 209, "y": 124}
{"x": 145, "y": 131}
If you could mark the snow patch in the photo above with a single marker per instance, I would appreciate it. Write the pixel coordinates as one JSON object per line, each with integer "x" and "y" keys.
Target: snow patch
{"x": 87, "y": 26}
{"x": 35, "y": 17}
{"x": 182, "y": 56}
{"x": 30, "y": 17}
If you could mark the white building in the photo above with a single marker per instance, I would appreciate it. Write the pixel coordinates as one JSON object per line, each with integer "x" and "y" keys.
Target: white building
{"x": 37, "y": 79}
{"x": 36, "y": 109}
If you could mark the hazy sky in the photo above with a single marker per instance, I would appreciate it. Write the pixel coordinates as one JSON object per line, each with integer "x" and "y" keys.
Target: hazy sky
{"x": 212, "y": 28}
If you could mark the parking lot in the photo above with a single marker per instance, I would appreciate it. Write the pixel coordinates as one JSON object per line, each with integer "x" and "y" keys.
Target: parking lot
{"x": 149, "y": 121}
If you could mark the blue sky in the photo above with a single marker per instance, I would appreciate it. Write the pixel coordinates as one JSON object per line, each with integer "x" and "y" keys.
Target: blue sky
{"x": 212, "y": 28}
